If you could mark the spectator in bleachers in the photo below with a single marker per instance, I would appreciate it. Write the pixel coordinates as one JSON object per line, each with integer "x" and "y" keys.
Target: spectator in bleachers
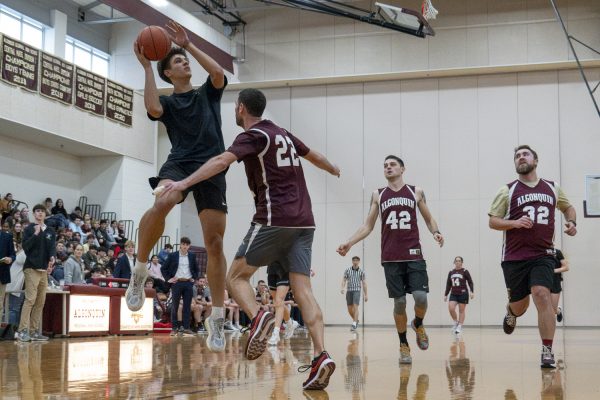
{"x": 77, "y": 237}
{"x": 164, "y": 253}
{"x": 232, "y": 320}
{"x": 155, "y": 273}
{"x": 109, "y": 241}
{"x": 263, "y": 298}
{"x": 6, "y": 227}
{"x": 87, "y": 219}
{"x": 59, "y": 208}
{"x": 126, "y": 262}
{"x": 90, "y": 241}
{"x": 17, "y": 232}
{"x": 7, "y": 257}
{"x": 77, "y": 211}
{"x": 95, "y": 273}
{"x": 203, "y": 297}
{"x": 48, "y": 204}
{"x": 13, "y": 217}
{"x": 113, "y": 231}
{"x": 181, "y": 270}
{"x": 121, "y": 230}
{"x": 17, "y": 279}
{"x": 24, "y": 214}
{"x": 74, "y": 267}
{"x": 5, "y": 206}
{"x": 90, "y": 258}
{"x": 75, "y": 224}
{"x": 111, "y": 260}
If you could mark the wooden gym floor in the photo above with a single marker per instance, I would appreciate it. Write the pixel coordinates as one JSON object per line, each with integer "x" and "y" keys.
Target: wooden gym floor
{"x": 481, "y": 363}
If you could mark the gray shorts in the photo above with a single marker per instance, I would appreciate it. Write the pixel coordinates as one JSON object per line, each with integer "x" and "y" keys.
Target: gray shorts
{"x": 352, "y": 297}
{"x": 292, "y": 247}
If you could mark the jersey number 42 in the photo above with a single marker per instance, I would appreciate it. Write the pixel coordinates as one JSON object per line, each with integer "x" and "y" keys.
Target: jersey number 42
{"x": 402, "y": 221}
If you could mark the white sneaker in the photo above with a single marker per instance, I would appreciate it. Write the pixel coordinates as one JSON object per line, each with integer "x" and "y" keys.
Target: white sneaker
{"x": 135, "y": 296}
{"x": 454, "y": 326}
{"x": 458, "y": 329}
{"x": 274, "y": 339}
{"x": 290, "y": 327}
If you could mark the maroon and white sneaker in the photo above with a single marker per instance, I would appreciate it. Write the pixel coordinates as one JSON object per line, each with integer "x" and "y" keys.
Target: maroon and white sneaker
{"x": 321, "y": 369}
{"x": 260, "y": 332}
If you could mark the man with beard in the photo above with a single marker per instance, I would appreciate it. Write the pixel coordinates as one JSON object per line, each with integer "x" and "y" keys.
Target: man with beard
{"x": 401, "y": 256}
{"x": 525, "y": 210}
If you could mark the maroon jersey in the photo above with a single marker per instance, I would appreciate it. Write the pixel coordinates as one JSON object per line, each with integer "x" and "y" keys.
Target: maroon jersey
{"x": 457, "y": 282}
{"x": 539, "y": 204}
{"x": 399, "y": 230}
{"x": 271, "y": 156}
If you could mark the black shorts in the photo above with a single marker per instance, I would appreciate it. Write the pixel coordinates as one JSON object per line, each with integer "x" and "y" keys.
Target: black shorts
{"x": 291, "y": 247}
{"x": 405, "y": 277}
{"x": 556, "y": 283}
{"x": 208, "y": 194}
{"x": 277, "y": 276}
{"x": 460, "y": 298}
{"x": 520, "y": 276}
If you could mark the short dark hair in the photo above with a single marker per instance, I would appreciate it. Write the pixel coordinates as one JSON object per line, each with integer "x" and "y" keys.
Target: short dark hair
{"x": 526, "y": 146}
{"x": 461, "y": 259}
{"x": 39, "y": 207}
{"x": 185, "y": 239}
{"x": 48, "y": 199}
{"x": 254, "y": 100}
{"x": 168, "y": 246}
{"x": 104, "y": 221}
{"x": 356, "y": 258}
{"x": 165, "y": 63}
{"x": 393, "y": 157}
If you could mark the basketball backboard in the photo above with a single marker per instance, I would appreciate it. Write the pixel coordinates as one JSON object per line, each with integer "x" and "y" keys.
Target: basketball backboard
{"x": 406, "y": 18}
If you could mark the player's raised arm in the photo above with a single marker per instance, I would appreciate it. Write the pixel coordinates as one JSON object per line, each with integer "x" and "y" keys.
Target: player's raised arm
{"x": 427, "y": 217}
{"x": 320, "y": 161}
{"x": 366, "y": 228}
{"x": 180, "y": 37}
{"x": 151, "y": 100}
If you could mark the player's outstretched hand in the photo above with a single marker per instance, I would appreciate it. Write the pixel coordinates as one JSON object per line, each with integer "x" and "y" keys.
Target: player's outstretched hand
{"x": 177, "y": 33}
{"x": 178, "y": 186}
{"x": 343, "y": 249}
{"x": 439, "y": 238}
{"x": 523, "y": 222}
{"x": 336, "y": 171}
{"x": 570, "y": 229}
{"x": 139, "y": 53}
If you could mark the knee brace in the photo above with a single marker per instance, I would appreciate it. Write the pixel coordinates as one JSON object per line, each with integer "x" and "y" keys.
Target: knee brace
{"x": 420, "y": 299}
{"x": 400, "y": 305}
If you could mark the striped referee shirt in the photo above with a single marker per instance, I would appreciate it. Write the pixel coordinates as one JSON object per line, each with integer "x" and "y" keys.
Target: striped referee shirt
{"x": 354, "y": 277}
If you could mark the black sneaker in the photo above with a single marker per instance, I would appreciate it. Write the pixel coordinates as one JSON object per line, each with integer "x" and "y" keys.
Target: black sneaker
{"x": 510, "y": 321}
{"x": 321, "y": 369}
{"x": 548, "y": 357}
{"x": 559, "y": 315}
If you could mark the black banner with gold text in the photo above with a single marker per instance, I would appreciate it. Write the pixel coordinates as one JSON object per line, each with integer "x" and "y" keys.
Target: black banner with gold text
{"x": 19, "y": 63}
{"x": 89, "y": 91}
{"x": 119, "y": 102}
{"x": 56, "y": 78}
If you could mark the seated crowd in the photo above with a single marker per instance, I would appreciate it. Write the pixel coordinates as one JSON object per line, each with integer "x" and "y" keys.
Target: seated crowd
{"x": 87, "y": 249}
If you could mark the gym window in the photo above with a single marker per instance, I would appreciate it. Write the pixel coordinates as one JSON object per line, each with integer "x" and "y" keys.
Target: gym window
{"x": 86, "y": 56}
{"x": 20, "y": 27}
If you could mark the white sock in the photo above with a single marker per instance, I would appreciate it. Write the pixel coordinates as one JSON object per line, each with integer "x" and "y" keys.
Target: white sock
{"x": 140, "y": 267}
{"x": 217, "y": 312}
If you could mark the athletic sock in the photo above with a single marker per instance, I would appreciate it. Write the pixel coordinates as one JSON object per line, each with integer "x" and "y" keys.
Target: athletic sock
{"x": 217, "y": 312}
{"x": 402, "y": 336}
{"x": 140, "y": 267}
{"x": 547, "y": 342}
{"x": 418, "y": 322}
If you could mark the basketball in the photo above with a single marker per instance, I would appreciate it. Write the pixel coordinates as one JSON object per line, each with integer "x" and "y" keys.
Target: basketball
{"x": 155, "y": 41}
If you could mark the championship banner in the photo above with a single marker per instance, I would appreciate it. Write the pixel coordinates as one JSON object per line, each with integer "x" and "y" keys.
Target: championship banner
{"x": 89, "y": 91}
{"x": 19, "y": 64}
{"x": 119, "y": 102}
{"x": 57, "y": 78}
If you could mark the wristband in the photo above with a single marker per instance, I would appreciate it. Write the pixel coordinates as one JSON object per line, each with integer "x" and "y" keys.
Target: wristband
{"x": 572, "y": 221}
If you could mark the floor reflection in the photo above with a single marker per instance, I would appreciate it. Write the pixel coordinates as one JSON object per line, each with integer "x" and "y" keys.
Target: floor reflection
{"x": 355, "y": 368}
{"x": 459, "y": 371}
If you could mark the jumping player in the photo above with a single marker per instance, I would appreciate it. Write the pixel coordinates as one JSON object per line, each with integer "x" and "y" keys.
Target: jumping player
{"x": 401, "y": 255}
{"x": 525, "y": 210}
{"x": 193, "y": 121}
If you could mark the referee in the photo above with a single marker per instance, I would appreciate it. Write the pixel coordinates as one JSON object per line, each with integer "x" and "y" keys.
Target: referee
{"x": 354, "y": 278}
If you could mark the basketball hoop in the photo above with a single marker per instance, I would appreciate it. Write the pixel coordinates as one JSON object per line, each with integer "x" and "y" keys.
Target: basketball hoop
{"x": 428, "y": 11}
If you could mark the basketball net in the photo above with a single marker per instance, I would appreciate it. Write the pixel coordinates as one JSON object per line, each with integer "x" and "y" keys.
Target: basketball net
{"x": 428, "y": 11}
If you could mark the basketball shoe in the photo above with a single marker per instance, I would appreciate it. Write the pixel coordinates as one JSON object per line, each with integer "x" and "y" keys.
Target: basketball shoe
{"x": 260, "y": 330}
{"x": 422, "y": 338}
{"x": 215, "y": 341}
{"x": 321, "y": 369}
{"x": 510, "y": 321}
{"x": 135, "y": 296}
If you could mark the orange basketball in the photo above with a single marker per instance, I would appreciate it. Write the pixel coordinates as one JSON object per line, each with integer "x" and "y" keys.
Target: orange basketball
{"x": 155, "y": 41}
